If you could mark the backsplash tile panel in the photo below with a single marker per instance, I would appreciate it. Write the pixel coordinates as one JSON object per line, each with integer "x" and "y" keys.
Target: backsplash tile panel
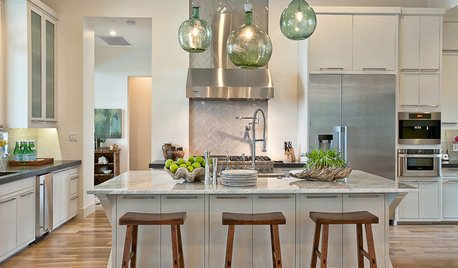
{"x": 447, "y": 141}
{"x": 212, "y": 126}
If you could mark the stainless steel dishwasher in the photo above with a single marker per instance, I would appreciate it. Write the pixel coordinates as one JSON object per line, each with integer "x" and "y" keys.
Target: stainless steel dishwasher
{"x": 44, "y": 209}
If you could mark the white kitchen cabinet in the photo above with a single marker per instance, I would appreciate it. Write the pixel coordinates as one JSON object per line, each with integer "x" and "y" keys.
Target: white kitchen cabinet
{"x": 31, "y": 73}
{"x": 375, "y": 204}
{"x": 148, "y": 243}
{"x": 8, "y": 223}
{"x": 419, "y": 90}
{"x": 429, "y": 90}
{"x": 450, "y": 198}
{"x": 26, "y": 216}
{"x": 449, "y": 89}
{"x": 322, "y": 203}
{"x": 331, "y": 43}
{"x": 429, "y": 200}
{"x": 65, "y": 196}
{"x": 57, "y": 210}
{"x": 374, "y": 42}
{"x": 261, "y": 234}
{"x": 450, "y": 39}
{"x": 408, "y": 208}
{"x": 243, "y": 238}
{"x": 192, "y": 232}
{"x": 420, "y": 43}
{"x": 430, "y": 43}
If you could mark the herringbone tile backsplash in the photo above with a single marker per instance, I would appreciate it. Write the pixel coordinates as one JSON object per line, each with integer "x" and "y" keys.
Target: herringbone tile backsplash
{"x": 212, "y": 126}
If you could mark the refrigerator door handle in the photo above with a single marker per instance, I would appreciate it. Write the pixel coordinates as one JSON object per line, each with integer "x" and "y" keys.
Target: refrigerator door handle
{"x": 344, "y": 146}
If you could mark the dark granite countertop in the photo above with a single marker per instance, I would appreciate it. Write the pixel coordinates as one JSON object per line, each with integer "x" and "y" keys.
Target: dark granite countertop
{"x": 31, "y": 171}
{"x": 450, "y": 164}
{"x": 159, "y": 164}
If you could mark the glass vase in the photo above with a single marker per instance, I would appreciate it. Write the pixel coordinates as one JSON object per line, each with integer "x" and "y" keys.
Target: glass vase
{"x": 248, "y": 46}
{"x": 298, "y": 20}
{"x": 194, "y": 34}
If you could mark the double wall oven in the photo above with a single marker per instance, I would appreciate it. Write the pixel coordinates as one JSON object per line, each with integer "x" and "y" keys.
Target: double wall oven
{"x": 419, "y": 162}
{"x": 419, "y": 128}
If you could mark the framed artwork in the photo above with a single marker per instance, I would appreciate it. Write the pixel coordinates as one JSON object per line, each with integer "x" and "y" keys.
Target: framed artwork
{"x": 108, "y": 123}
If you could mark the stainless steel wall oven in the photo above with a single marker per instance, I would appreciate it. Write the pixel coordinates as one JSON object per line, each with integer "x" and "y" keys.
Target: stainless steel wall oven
{"x": 419, "y": 162}
{"x": 419, "y": 128}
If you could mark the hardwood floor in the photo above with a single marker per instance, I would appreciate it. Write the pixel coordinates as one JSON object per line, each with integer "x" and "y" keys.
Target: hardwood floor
{"x": 78, "y": 243}
{"x": 87, "y": 243}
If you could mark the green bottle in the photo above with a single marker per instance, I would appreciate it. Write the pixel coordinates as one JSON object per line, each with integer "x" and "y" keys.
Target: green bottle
{"x": 16, "y": 152}
{"x": 249, "y": 46}
{"x": 33, "y": 151}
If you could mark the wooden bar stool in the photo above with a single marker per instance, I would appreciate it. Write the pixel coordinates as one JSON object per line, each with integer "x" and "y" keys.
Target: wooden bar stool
{"x": 273, "y": 219}
{"x": 134, "y": 219}
{"x": 359, "y": 218}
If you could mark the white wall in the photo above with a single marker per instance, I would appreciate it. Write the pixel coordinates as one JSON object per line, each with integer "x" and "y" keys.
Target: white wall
{"x": 113, "y": 66}
{"x": 169, "y": 65}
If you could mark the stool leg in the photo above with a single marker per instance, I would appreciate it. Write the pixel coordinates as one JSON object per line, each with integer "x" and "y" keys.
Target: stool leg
{"x": 180, "y": 248}
{"x": 316, "y": 242}
{"x": 133, "y": 261}
{"x": 174, "y": 245}
{"x": 324, "y": 246}
{"x": 359, "y": 245}
{"x": 127, "y": 245}
{"x": 273, "y": 246}
{"x": 370, "y": 245}
{"x": 276, "y": 242}
{"x": 229, "y": 246}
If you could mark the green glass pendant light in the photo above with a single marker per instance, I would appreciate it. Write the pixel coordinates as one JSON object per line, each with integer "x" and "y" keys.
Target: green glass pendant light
{"x": 298, "y": 20}
{"x": 194, "y": 34}
{"x": 248, "y": 46}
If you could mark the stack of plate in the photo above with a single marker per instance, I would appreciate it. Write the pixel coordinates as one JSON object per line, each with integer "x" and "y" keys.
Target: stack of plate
{"x": 239, "y": 177}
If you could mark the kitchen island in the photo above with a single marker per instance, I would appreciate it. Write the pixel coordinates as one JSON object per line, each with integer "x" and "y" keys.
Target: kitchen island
{"x": 204, "y": 237}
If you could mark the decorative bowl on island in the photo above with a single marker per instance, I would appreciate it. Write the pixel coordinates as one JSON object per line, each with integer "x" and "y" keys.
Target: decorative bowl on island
{"x": 326, "y": 174}
{"x": 192, "y": 169}
{"x": 197, "y": 174}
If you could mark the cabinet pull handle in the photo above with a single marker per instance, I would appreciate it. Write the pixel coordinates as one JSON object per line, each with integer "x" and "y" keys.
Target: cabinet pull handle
{"x": 231, "y": 197}
{"x": 331, "y": 69}
{"x": 321, "y": 196}
{"x": 274, "y": 197}
{"x": 429, "y": 105}
{"x": 449, "y": 50}
{"x": 26, "y": 194}
{"x": 75, "y": 197}
{"x": 374, "y": 69}
{"x": 409, "y": 105}
{"x": 182, "y": 197}
{"x": 428, "y": 182}
{"x": 138, "y": 197}
{"x": 73, "y": 178}
{"x": 449, "y": 123}
{"x": 8, "y": 200}
{"x": 429, "y": 70}
{"x": 409, "y": 70}
{"x": 364, "y": 196}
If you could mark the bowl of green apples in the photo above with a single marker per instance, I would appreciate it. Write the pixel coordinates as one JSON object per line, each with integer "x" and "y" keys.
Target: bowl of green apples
{"x": 192, "y": 169}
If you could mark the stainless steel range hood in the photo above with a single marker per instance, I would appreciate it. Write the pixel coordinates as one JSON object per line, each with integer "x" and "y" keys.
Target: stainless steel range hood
{"x": 224, "y": 80}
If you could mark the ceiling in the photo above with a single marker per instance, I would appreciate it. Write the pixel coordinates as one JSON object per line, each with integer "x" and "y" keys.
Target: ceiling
{"x": 136, "y": 31}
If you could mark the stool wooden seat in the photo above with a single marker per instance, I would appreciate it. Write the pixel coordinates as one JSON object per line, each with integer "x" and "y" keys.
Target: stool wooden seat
{"x": 358, "y": 218}
{"x": 134, "y": 219}
{"x": 273, "y": 219}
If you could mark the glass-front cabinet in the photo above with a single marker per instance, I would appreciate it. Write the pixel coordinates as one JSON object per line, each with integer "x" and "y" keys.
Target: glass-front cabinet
{"x": 42, "y": 68}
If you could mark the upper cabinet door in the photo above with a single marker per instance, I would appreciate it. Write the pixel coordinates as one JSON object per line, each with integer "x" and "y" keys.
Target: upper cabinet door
{"x": 409, "y": 89}
{"x": 50, "y": 63}
{"x": 374, "y": 42}
{"x": 331, "y": 44}
{"x": 409, "y": 47}
{"x": 430, "y": 90}
{"x": 430, "y": 45}
{"x": 450, "y": 39}
{"x": 36, "y": 63}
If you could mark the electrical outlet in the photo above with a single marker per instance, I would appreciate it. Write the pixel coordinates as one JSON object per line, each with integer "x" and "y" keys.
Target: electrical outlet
{"x": 73, "y": 138}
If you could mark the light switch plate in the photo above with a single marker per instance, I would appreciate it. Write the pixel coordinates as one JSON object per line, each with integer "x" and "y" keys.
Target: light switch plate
{"x": 73, "y": 137}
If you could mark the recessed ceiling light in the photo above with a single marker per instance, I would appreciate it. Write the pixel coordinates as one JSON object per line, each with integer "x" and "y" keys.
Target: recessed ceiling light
{"x": 112, "y": 33}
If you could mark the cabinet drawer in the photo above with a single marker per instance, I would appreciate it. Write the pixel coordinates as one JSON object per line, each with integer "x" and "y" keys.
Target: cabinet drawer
{"x": 73, "y": 172}
{"x": 73, "y": 206}
{"x": 15, "y": 186}
{"x": 450, "y": 172}
{"x": 73, "y": 185}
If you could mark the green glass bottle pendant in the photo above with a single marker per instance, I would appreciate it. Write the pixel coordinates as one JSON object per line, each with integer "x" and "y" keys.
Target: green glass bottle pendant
{"x": 298, "y": 20}
{"x": 248, "y": 46}
{"x": 194, "y": 34}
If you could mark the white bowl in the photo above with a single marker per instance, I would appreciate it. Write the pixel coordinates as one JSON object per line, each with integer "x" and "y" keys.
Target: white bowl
{"x": 107, "y": 171}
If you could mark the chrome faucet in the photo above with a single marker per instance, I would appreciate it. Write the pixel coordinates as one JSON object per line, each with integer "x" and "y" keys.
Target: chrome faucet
{"x": 255, "y": 121}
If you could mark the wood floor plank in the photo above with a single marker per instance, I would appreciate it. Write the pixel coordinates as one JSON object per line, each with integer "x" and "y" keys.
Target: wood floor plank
{"x": 87, "y": 243}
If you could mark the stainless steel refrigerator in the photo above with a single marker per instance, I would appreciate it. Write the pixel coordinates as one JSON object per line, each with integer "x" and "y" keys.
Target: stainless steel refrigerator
{"x": 355, "y": 114}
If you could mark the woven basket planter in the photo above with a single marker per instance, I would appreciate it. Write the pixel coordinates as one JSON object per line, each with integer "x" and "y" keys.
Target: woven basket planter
{"x": 322, "y": 174}
{"x": 197, "y": 174}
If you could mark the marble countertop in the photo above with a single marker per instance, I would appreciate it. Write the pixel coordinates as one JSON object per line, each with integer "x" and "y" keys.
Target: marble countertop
{"x": 159, "y": 182}
{"x": 159, "y": 164}
{"x": 22, "y": 172}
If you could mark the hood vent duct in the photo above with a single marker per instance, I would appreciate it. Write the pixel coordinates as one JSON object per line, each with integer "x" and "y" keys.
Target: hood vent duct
{"x": 224, "y": 80}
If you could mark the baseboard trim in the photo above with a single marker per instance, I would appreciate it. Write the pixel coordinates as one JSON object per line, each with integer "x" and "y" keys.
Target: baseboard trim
{"x": 84, "y": 212}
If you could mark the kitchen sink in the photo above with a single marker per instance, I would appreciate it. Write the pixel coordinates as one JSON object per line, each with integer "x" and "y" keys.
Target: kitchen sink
{"x": 6, "y": 173}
